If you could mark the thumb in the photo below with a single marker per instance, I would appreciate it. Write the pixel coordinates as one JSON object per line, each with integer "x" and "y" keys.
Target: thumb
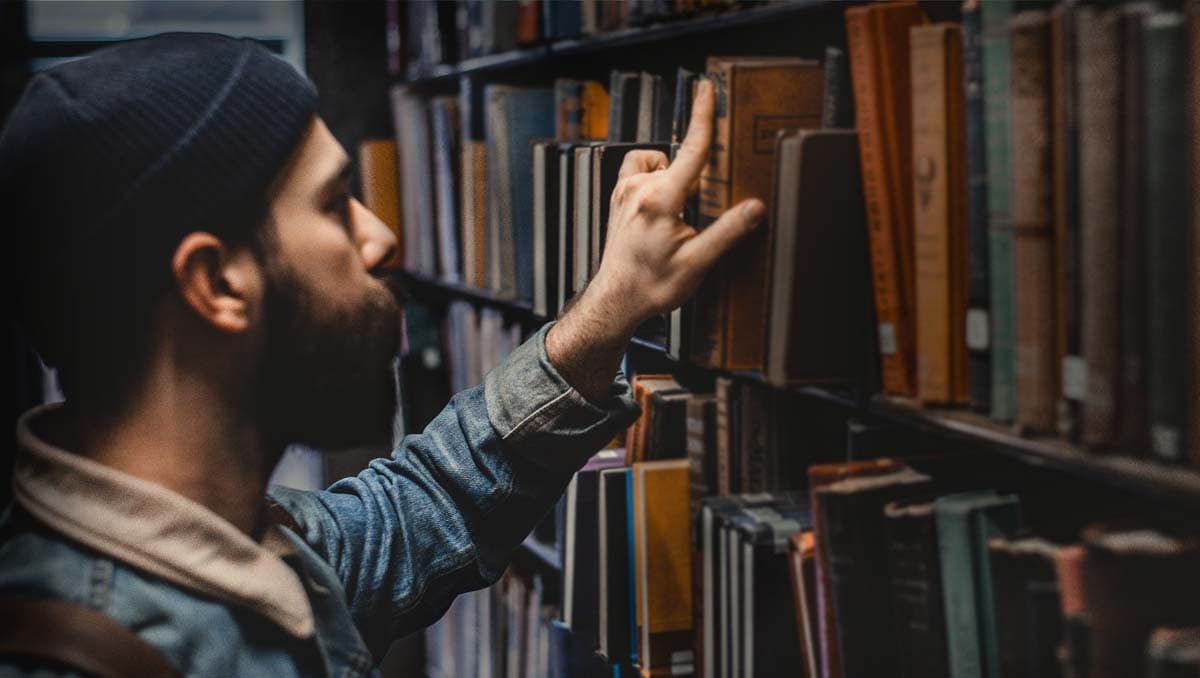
{"x": 707, "y": 247}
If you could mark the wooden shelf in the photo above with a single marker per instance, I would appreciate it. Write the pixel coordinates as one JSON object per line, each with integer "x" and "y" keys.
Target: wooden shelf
{"x": 668, "y": 29}
{"x": 543, "y": 554}
{"x": 427, "y": 288}
{"x": 1170, "y": 484}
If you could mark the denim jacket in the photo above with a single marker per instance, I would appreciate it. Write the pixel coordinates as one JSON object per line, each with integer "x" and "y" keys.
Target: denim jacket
{"x": 341, "y": 572}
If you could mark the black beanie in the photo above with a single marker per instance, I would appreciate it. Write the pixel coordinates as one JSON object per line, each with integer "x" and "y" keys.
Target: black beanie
{"x": 123, "y": 153}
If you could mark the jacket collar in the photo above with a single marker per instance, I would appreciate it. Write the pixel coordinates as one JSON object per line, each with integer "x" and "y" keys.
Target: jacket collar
{"x": 156, "y": 530}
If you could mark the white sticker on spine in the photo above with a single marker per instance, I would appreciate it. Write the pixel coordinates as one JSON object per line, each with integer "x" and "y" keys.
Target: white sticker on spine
{"x": 887, "y": 339}
{"x": 1074, "y": 377}
{"x": 978, "y": 332}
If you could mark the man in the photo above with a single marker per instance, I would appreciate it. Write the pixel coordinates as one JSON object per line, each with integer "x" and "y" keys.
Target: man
{"x": 190, "y": 259}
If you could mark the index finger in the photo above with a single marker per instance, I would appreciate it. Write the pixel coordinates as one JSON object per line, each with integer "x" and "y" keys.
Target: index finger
{"x": 693, "y": 152}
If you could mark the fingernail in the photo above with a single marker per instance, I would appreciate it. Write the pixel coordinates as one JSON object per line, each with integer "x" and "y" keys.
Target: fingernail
{"x": 754, "y": 209}
{"x": 705, "y": 86}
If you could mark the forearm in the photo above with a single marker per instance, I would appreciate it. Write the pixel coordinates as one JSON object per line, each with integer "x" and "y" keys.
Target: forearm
{"x": 586, "y": 345}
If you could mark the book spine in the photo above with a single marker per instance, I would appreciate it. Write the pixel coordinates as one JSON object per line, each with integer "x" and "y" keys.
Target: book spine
{"x": 959, "y": 598}
{"x": 724, "y": 389}
{"x": 1099, "y": 133}
{"x": 1133, "y": 425}
{"x": 753, "y": 450}
{"x": 1194, "y": 282}
{"x": 708, "y": 332}
{"x": 894, "y": 343}
{"x": 978, "y": 300}
{"x": 446, "y": 174}
{"x": 916, "y": 589}
{"x": 996, "y": 79}
{"x": 934, "y": 83}
{"x": 1033, "y": 246}
{"x": 1068, "y": 293}
{"x": 1166, "y": 112}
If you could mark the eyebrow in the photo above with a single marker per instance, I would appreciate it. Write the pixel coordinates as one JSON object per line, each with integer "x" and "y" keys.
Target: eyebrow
{"x": 344, "y": 172}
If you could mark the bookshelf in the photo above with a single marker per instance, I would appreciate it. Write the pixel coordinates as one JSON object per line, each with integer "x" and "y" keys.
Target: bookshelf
{"x": 759, "y": 442}
{"x": 696, "y": 26}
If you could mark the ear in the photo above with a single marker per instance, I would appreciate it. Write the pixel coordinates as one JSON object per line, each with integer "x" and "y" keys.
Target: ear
{"x": 215, "y": 281}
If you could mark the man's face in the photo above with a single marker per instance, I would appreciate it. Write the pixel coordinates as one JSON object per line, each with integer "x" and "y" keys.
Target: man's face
{"x": 330, "y": 327}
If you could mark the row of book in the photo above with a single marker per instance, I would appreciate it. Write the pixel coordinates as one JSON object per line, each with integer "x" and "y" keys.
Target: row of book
{"x": 1032, "y": 230}
{"x": 929, "y": 565}
{"x": 426, "y": 33}
{"x": 504, "y": 630}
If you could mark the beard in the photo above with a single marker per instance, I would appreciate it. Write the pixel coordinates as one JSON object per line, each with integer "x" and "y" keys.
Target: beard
{"x": 326, "y": 378}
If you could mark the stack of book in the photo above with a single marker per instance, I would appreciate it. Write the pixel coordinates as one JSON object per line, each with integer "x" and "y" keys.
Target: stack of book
{"x": 1026, "y": 189}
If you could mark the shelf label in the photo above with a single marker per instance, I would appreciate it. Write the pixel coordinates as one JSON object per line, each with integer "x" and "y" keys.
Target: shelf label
{"x": 978, "y": 334}
{"x": 1074, "y": 377}
{"x": 887, "y": 339}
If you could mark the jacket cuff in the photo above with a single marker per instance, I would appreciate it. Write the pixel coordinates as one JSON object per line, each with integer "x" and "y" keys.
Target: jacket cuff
{"x": 540, "y": 416}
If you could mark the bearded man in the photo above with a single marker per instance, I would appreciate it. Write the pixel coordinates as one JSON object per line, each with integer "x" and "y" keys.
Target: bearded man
{"x": 188, "y": 255}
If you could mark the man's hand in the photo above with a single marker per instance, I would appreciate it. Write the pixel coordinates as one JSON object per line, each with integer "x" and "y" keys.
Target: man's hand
{"x": 652, "y": 260}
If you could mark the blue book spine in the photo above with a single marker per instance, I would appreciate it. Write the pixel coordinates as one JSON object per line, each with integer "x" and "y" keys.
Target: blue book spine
{"x": 979, "y": 362}
{"x": 530, "y": 117}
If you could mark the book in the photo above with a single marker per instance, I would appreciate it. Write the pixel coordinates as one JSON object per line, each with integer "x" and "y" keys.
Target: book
{"x": 1121, "y": 617}
{"x": 581, "y": 547}
{"x": 817, "y": 268}
{"x": 545, "y": 228}
{"x": 852, "y": 518}
{"x": 515, "y": 117}
{"x": 581, "y": 109}
{"x": 581, "y": 231}
{"x": 614, "y": 632}
{"x": 877, "y": 38}
{"x": 1068, "y": 570}
{"x": 1166, "y": 231}
{"x": 767, "y": 622}
{"x": 644, "y": 387}
{"x": 1098, "y": 60}
{"x": 916, "y": 588}
{"x": 1174, "y": 653}
{"x": 529, "y": 22}
{"x": 939, "y": 211}
{"x": 1035, "y": 371}
{"x": 474, "y": 211}
{"x": 727, "y": 442}
{"x": 1068, "y": 295}
{"x": 819, "y": 476}
{"x": 381, "y": 188}
{"x": 561, "y": 20}
{"x": 965, "y": 524}
{"x": 759, "y": 95}
{"x": 624, "y": 89}
{"x": 997, "y": 80}
{"x": 802, "y": 573}
{"x": 1028, "y": 609}
{"x": 1193, "y": 434}
{"x": 978, "y": 329}
{"x": 702, "y": 482}
{"x": 837, "y": 106}
{"x": 447, "y": 126}
{"x": 1133, "y": 425}
{"x": 411, "y": 120}
{"x": 649, "y": 107}
{"x": 666, "y": 425}
{"x": 663, "y": 585}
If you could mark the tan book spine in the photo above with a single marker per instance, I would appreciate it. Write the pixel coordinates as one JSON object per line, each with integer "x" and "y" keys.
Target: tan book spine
{"x": 1099, "y": 130}
{"x": 880, "y": 75}
{"x": 1033, "y": 241}
{"x": 595, "y": 111}
{"x": 939, "y": 212}
{"x": 378, "y": 173}
{"x": 1194, "y": 115}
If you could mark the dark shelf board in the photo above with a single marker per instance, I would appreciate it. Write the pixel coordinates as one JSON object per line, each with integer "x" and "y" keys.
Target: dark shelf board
{"x": 543, "y": 554}
{"x": 705, "y": 23}
{"x": 424, "y": 288}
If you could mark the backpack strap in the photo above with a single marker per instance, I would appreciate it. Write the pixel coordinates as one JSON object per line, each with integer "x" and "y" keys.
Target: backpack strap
{"x": 46, "y": 631}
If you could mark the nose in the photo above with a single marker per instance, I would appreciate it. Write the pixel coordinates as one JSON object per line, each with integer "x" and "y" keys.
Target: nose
{"x": 376, "y": 242}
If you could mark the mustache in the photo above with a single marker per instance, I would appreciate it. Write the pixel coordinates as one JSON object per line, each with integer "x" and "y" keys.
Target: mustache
{"x": 393, "y": 282}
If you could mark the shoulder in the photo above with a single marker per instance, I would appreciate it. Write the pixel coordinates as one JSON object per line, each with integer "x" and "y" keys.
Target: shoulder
{"x": 186, "y": 628}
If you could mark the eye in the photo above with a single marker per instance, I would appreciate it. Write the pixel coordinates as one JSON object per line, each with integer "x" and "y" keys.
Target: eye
{"x": 339, "y": 206}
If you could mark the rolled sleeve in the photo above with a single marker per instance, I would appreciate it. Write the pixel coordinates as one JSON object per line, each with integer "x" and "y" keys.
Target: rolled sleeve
{"x": 540, "y": 416}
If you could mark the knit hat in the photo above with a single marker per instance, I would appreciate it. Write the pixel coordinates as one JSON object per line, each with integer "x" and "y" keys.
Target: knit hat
{"x": 123, "y": 153}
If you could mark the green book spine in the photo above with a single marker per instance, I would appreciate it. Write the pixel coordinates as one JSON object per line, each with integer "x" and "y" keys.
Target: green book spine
{"x": 998, "y": 118}
{"x": 965, "y": 523}
{"x": 1166, "y": 120}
